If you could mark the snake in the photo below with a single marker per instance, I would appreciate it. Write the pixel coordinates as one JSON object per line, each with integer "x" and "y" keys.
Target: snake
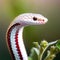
{"x": 14, "y": 34}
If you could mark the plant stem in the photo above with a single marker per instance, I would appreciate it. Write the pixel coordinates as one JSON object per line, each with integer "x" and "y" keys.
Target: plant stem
{"x": 43, "y": 49}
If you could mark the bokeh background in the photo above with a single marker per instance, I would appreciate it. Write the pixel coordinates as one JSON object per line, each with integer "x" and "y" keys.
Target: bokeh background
{"x": 9, "y": 9}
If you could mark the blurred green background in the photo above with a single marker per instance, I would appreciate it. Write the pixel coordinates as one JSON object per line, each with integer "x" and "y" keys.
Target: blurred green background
{"x": 9, "y": 9}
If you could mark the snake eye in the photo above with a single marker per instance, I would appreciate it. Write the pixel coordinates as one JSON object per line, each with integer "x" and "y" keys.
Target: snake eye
{"x": 34, "y": 18}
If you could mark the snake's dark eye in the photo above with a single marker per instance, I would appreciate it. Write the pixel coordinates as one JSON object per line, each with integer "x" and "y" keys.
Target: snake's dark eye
{"x": 34, "y": 18}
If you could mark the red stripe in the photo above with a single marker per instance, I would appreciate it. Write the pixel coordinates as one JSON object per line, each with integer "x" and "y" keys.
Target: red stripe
{"x": 8, "y": 40}
{"x": 17, "y": 45}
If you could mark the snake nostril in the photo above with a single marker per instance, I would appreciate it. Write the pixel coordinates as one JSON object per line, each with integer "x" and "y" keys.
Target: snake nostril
{"x": 43, "y": 20}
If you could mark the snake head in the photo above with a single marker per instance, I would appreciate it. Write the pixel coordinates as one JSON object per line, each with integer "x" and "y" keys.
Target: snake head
{"x": 31, "y": 19}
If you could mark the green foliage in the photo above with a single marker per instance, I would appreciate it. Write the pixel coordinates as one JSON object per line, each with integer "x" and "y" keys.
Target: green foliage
{"x": 29, "y": 58}
{"x": 58, "y": 44}
{"x": 39, "y": 50}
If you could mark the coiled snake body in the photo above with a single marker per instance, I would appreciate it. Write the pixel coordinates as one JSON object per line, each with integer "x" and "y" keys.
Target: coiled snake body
{"x": 14, "y": 33}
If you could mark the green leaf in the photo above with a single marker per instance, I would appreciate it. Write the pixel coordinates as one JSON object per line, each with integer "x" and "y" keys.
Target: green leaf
{"x": 58, "y": 44}
{"x": 29, "y": 58}
{"x": 34, "y": 53}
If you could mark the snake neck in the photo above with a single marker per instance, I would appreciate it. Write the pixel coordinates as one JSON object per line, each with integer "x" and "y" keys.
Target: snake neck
{"x": 15, "y": 42}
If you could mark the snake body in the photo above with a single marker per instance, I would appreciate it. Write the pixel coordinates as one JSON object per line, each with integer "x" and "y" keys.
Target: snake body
{"x": 14, "y": 33}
